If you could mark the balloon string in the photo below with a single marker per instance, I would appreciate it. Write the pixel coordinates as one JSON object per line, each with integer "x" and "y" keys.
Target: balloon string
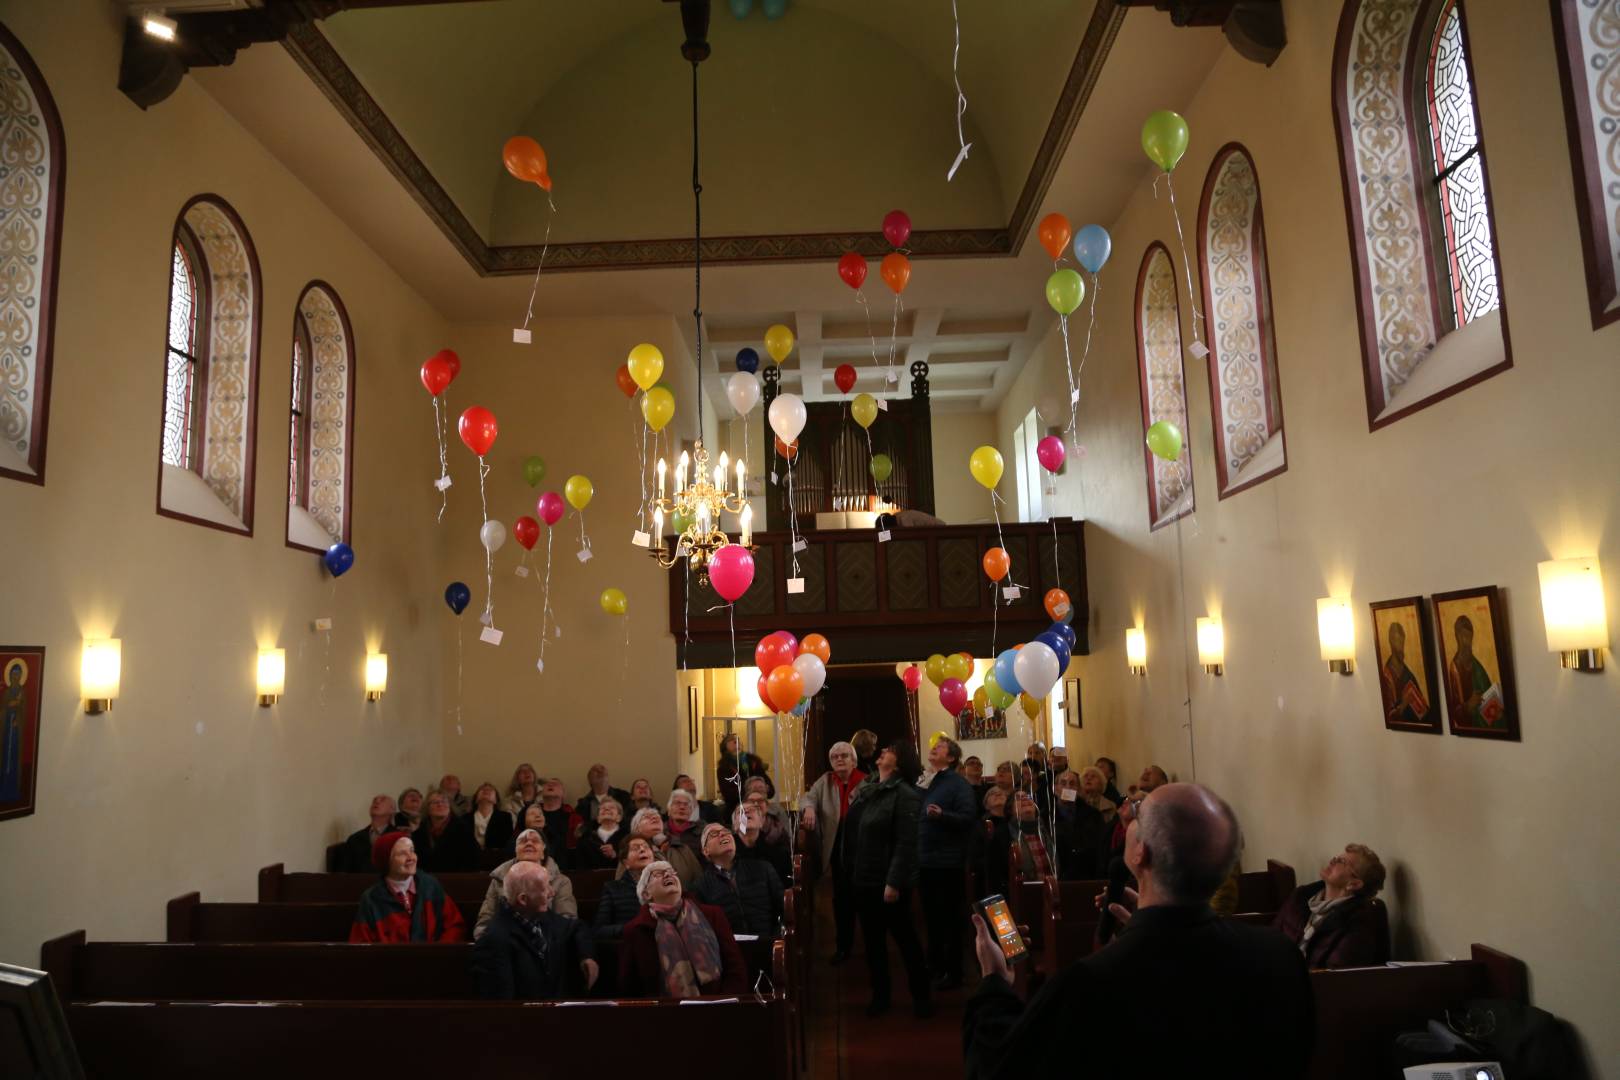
{"x": 489, "y": 556}
{"x": 584, "y": 541}
{"x": 641, "y": 473}
{"x": 1068, "y": 367}
{"x": 894, "y": 331}
{"x": 460, "y": 636}
{"x": 1186, "y": 264}
{"x": 1091, "y": 322}
{"x": 870, "y": 336}
{"x": 961, "y": 98}
{"x": 533, "y": 292}
{"x": 444, "y": 464}
{"x": 793, "y": 521}
{"x": 545, "y": 612}
{"x": 1181, "y": 573}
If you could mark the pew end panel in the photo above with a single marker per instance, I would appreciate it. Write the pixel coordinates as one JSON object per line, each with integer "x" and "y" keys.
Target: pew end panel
{"x": 1505, "y": 976}
{"x": 180, "y": 918}
{"x": 270, "y": 882}
{"x": 334, "y": 857}
{"x": 56, "y": 958}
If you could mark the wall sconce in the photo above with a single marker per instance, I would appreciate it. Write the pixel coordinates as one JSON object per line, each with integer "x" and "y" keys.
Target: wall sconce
{"x": 272, "y": 675}
{"x": 1211, "y": 645}
{"x": 1136, "y": 650}
{"x": 1572, "y": 605}
{"x": 100, "y": 667}
{"x": 376, "y": 675}
{"x": 1336, "y": 630}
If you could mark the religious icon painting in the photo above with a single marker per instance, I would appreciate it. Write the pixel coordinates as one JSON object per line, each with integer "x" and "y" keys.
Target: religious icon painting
{"x": 1476, "y": 664}
{"x": 1407, "y": 676}
{"x": 970, "y": 725}
{"x": 22, "y": 684}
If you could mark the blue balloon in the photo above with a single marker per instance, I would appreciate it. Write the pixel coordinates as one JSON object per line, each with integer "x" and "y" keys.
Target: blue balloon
{"x": 802, "y": 707}
{"x": 1092, "y": 246}
{"x": 1066, "y": 632}
{"x": 1055, "y": 642}
{"x": 458, "y": 596}
{"x": 1004, "y": 672}
{"x": 748, "y": 360}
{"x": 741, "y": 8}
{"x": 338, "y": 559}
{"x": 774, "y": 8}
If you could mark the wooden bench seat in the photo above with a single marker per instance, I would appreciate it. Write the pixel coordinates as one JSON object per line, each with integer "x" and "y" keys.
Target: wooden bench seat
{"x": 278, "y": 885}
{"x": 191, "y": 919}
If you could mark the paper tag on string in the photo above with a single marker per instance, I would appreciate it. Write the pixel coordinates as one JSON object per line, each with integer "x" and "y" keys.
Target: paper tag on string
{"x": 894, "y": 376}
{"x": 883, "y": 403}
{"x": 323, "y": 624}
{"x": 521, "y": 571}
{"x": 1068, "y": 794}
{"x": 1199, "y": 350}
{"x": 1012, "y": 592}
{"x": 883, "y": 537}
{"x": 521, "y": 336}
{"x": 800, "y": 544}
{"x": 774, "y": 480}
{"x": 487, "y": 619}
{"x": 640, "y": 539}
{"x": 540, "y": 665}
{"x": 795, "y": 585}
{"x": 1074, "y": 396}
{"x": 491, "y": 635}
{"x": 683, "y": 551}
{"x": 556, "y": 631}
{"x": 961, "y": 156}
{"x": 442, "y": 482}
{"x": 583, "y": 555}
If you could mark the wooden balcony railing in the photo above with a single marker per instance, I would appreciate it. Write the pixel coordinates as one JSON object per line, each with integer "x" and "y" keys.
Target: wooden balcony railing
{"x": 923, "y": 591}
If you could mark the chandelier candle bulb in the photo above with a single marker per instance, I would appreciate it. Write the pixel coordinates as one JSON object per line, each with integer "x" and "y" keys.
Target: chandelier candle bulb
{"x": 661, "y": 468}
{"x": 680, "y": 473}
{"x": 740, "y": 480}
{"x": 747, "y": 518}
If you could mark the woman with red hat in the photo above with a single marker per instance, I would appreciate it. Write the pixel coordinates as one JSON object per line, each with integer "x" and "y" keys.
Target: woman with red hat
{"x": 404, "y": 906}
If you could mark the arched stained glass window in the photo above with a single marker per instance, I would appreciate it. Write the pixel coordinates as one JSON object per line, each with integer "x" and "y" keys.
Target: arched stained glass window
{"x": 320, "y": 421}
{"x": 1163, "y": 382}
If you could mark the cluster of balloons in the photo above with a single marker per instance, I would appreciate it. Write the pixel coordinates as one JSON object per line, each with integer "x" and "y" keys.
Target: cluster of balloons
{"x": 1066, "y": 289}
{"x": 525, "y": 160}
{"x": 791, "y": 672}
{"x": 895, "y": 269}
{"x": 949, "y": 673}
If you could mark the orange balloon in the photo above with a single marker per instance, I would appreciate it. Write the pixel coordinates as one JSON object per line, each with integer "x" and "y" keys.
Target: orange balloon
{"x": 627, "y": 384}
{"x": 1057, "y": 604}
{"x": 525, "y": 160}
{"x": 544, "y": 181}
{"x": 789, "y": 452}
{"x": 896, "y": 271}
{"x": 786, "y": 687}
{"x": 816, "y": 645}
{"x": 966, "y": 656}
{"x": 1055, "y": 234}
{"x": 996, "y": 563}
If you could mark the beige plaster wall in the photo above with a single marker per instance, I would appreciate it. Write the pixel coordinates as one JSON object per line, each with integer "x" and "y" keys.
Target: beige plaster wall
{"x": 187, "y": 783}
{"x": 958, "y": 498}
{"x": 1510, "y": 844}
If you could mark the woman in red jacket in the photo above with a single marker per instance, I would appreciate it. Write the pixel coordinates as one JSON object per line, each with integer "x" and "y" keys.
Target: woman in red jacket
{"x": 404, "y": 906}
{"x": 676, "y": 947}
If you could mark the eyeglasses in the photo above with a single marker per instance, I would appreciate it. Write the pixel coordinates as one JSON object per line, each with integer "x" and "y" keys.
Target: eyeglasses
{"x": 664, "y": 876}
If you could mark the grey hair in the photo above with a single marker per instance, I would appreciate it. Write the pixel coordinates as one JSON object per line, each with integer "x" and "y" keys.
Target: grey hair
{"x": 1188, "y": 862}
{"x": 646, "y": 878}
{"x": 707, "y": 829}
{"x": 844, "y": 746}
{"x": 680, "y": 793}
{"x": 1093, "y": 769}
{"x": 521, "y": 878}
{"x": 645, "y": 812}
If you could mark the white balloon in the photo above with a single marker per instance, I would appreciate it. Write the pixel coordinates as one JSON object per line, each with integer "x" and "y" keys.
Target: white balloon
{"x": 1036, "y": 668}
{"x": 1052, "y": 408}
{"x": 742, "y": 390}
{"x": 787, "y": 417}
{"x": 493, "y": 534}
{"x": 812, "y": 671}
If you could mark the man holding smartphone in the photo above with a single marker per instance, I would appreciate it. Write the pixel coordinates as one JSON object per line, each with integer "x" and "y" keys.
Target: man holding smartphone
{"x": 1201, "y": 994}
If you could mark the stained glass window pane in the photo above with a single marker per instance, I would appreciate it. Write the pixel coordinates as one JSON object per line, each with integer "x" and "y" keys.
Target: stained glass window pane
{"x": 295, "y": 442}
{"x": 180, "y": 377}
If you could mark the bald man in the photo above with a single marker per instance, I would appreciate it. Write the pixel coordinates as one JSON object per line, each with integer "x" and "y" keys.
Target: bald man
{"x": 1181, "y": 992}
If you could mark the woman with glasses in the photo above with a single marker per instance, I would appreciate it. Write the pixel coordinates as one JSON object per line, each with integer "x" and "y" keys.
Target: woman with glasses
{"x": 676, "y": 947}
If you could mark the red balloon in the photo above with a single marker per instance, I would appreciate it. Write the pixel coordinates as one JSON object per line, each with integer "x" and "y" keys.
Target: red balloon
{"x": 449, "y": 357}
{"x": 785, "y": 450}
{"x": 627, "y": 383}
{"x": 852, "y": 268}
{"x": 764, "y": 686}
{"x": 527, "y": 531}
{"x": 436, "y": 375}
{"x": 896, "y": 228}
{"x": 845, "y": 377}
{"x": 772, "y": 652}
{"x": 478, "y": 429}
{"x": 792, "y": 644}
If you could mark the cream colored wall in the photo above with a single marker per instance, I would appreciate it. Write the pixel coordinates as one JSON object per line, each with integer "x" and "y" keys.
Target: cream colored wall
{"x": 186, "y": 783}
{"x": 958, "y": 498}
{"x": 1510, "y": 844}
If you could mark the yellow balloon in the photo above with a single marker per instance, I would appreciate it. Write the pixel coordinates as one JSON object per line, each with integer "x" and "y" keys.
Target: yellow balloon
{"x": 958, "y": 666}
{"x": 1032, "y": 708}
{"x": 779, "y": 342}
{"x": 646, "y": 365}
{"x": 614, "y": 602}
{"x": 578, "y": 492}
{"x": 934, "y": 739}
{"x": 981, "y": 701}
{"x": 657, "y": 406}
{"x": 985, "y": 465}
{"x": 934, "y": 668}
{"x": 864, "y": 409}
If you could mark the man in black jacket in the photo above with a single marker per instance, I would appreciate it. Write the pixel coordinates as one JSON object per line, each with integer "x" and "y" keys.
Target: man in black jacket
{"x": 1195, "y": 994}
{"x": 747, "y": 890}
{"x": 528, "y": 952}
{"x": 356, "y": 854}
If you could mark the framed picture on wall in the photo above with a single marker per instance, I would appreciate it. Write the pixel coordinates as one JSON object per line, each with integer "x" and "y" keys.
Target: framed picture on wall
{"x": 691, "y": 720}
{"x": 1407, "y": 677}
{"x": 1071, "y": 703}
{"x": 1476, "y": 664}
{"x": 22, "y": 668}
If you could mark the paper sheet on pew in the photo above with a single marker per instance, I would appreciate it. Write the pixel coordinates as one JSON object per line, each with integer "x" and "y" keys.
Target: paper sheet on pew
{"x": 1417, "y": 963}
{"x": 567, "y": 1003}
{"x": 711, "y": 1001}
{"x": 745, "y": 937}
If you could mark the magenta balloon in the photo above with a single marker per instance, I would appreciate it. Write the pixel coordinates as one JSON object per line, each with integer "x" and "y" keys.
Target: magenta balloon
{"x": 913, "y": 677}
{"x": 792, "y": 642}
{"x": 1051, "y": 453}
{"x": 953, "y": 695}
{"x": 731, "y": 571}
{"x": 550, "y": 507}
{"x": 896, "y": 228}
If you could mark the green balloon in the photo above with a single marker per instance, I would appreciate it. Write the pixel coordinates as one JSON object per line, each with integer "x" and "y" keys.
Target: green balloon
{"x": 680, "y": 521}
{"x": 992, "y": 690}
{"x": 1065, "y": 290}
{"x": 881, "y": 467}
{"x": 534, "y": 470}
{"x": 1164, "y": 138}
{"x": 1164, "y": 439}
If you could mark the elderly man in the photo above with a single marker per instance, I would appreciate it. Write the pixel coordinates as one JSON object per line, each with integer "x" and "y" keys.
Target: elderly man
{"x": 450, "y": 785}
{"x": 747, "y": 890}
{"x": 1338, "y": 922}
{"x": 355, "y": 856}
{"x": 404, "y": 906}
{"x": 822, "y": 810}
{"x": 598, "y": 791}
{"x": 528, "y": 952}
{"x": 1194, "y": 994}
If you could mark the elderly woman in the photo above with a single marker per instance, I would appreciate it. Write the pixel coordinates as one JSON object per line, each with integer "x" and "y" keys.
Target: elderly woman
{"x": 758, "y": 785}
{"x": 649, "y": 825}
{"x": 531, "y": 848}
{"x": 676, "y": 947}
{"x": 410, "y": 809}
{"x": 747, "y": 890}
{"x": 883, "y": 824}
{"x": 441, "y": 847}
{"x": 991, "y": 842}
{"x": 356, "y": 856}
{"x": 683, "y": 824}
{"x": 822, "y": 810}
{"x": 405, "y": 906}
{"x": 486, "y": 830}
{"x": 1085, "y": 822}
{"x": 619, "y": 902}
{"x": 523, "y": 790}
{"x": 599, "y": 848}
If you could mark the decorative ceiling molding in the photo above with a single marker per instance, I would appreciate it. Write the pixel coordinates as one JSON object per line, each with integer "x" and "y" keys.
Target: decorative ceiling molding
{"x": 328, "y": 70}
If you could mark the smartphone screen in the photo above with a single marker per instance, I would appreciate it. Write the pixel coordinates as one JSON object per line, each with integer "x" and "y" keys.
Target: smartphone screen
{"x": 1001, "y": 924}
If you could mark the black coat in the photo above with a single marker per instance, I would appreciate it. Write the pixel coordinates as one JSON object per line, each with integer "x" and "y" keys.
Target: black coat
{"x": 507, "y": 965}
{"x": 453, "y": 851}
{"x": 882, "y": 827}
{"x": 750, "y": 765}
{"x": 616, "y": 906}
{"x": 498, "y": 834}
{"x": 586, "y": 806}
{"x": 355, "y": 857}
{"x": 1185, "y": 991}
{"x": 1082, "y": 841}
{"x": 1354, "y": 933}
{"x": 751, "y": 896}
{"x": 590, "y": 855}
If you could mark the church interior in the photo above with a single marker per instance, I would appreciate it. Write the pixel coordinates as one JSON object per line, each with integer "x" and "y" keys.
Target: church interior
{"x": 403, "y": 391}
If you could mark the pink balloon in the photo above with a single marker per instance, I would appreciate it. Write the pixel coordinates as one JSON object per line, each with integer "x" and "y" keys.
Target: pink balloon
{"x": 912, "y": 677}
{"x": 731, "y": 571}
{"x": 791, "y": 641}
{"x": 953, "y": 695}
{"x": 1051, "y": 453}
{"x": 550, "y": 507}
{"x": 896, "y": 228}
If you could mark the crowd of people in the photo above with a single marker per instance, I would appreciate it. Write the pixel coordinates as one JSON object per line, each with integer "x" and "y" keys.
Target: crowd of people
{"x": 689, "y": 875}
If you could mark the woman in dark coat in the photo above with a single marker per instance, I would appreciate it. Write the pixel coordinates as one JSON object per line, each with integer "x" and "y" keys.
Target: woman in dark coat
{"x": 676, "y": 947}
{"x": 1338, "y": 921}
{"x": 619, "y": 903}
{"x": 734, "y": 769}
{"x": 884, "y": 872}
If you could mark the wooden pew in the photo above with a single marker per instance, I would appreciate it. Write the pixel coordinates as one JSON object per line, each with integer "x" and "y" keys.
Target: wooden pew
{"x": 1068, "y": 919}
{"x": 1265, "y": 890}
{"x": 278, "y": 885}
{"x": 191, "y": 919}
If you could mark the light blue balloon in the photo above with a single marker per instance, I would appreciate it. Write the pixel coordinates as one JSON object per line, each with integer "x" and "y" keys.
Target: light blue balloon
{"x": 741, "y": 8}
{"x": 1092, "y": 247}
{"x": 1004, "y": 672}
{"x": 774, "y": 8}
{"x": 802, "y": 707}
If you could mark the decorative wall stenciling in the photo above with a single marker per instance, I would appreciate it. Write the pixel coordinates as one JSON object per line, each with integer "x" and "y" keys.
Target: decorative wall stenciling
{"x": 31, "y": 176}
{"x": 1588, "y": 36}
{"x": 327, "y": 424}
{"x": 1245, "y": 401}
{"x": 1162, "y": 377}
